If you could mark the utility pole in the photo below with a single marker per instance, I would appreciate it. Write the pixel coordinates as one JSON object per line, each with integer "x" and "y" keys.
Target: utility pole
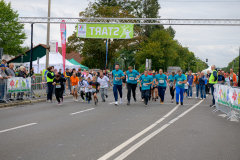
{"x": 48, "y": 34}
{"x": 31, "y": 52}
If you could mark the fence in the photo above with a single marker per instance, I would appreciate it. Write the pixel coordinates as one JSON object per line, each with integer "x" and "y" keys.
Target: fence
{"x": 227, "y": 100}
{"x": 15, "y": 88}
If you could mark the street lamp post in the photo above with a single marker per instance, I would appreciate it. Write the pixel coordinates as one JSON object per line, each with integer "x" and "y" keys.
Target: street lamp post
{"x": 48, "y": 34}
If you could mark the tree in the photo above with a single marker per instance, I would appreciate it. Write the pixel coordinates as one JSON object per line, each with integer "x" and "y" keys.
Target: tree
{"x": 11, "y": 31}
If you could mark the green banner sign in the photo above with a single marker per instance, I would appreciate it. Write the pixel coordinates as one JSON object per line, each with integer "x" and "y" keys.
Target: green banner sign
{"x": 115, "y": 31}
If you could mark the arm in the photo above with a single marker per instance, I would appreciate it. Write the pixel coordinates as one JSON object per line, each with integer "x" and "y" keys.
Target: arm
{"x": 50, "y": 76}
{"x": 174, "y": 83}
{"x": 215, "y": 76}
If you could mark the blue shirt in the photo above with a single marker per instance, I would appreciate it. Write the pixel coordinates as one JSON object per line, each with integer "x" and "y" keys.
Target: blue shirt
{"x": 145, "y": 79}
{"x": 190, "y": 79}
{"x": 171, "y": 78}
{"x": 131, "y": 76}
{"x": 116, "y": 74}
{"x": 180, "y": 79}
{"x": 161, "y": 80}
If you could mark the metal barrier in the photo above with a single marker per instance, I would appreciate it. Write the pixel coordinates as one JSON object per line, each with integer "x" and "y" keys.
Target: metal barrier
{"x": 227, "y": 100}
{"x": 15, "y": 88}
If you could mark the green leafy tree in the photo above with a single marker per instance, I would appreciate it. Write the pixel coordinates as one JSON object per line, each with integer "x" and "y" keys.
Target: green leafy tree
{"x": 11, "y": 31}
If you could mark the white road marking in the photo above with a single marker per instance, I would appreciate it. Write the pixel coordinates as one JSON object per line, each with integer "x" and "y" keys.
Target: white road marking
{"x": 17, "y": 127}
{"x": 111, "y": 103}
{"x": 150, "y": 136}
{"x": 121, "y": 146}
{"x": 82, "y": 111}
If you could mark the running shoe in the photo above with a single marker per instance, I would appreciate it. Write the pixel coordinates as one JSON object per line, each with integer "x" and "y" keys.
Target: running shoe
{"x": 200, "y": 98}
{"x": 152, "y": 99}
{"x": 162, "y": 102}
{"x": 116, "y": 103}
{"x": 95, "y": 102}
{"x": 88, "y": 101}
{"x": 128, "y": 103}
{"x": 172, "y": 100}
{"x": 155, "y": 99}
{"x": 120, "y": 101}
{"x": 106, "y": 96}
{"x": 177, "y": 103}
{"x": 196, "y": 97}
{"x": 135, "y": 100}
{"x": 182, "y": 103}
{"x": 142, "y": 100}
{"x": 83, "y": 101}
{"x": 76, "y": 100}
{"x": 59, "y": 104}
{"x": 104, "y": 100}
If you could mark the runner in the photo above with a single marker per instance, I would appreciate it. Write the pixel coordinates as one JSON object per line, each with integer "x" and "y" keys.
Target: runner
{"x": 161, "y": 81}
{"x": 103, "y": 80}
{"x": 95, "y": 89}
{"x": 154, "y": 88}
{"x": 82, "y": 84}
{"x": 88, "y": 90}
{"x": 117, "y": 83}
{"x": 132, "y": 75}
{"x": 59, "y": 88}
{"x": 150, "y": 74}
{"x": 170, "y": 83}
{"x": 74, "y": 83}
{"x": 146, "y": 81}
{"x": 124, "y": 80}
{"x": 87, "y": 75}
{"x": 179, "y": 80}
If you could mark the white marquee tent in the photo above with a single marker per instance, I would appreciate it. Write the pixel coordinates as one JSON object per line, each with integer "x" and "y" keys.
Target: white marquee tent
{"x": 205, "y": 70}
{"x": 55, "y": 59}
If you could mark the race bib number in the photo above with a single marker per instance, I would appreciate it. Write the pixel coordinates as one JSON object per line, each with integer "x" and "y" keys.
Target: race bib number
{"x": 58, "y": 86}
{"x": 145, "y": 84}
{"x": 94, "y": 90}
{"x": 117, "y": 79}
{"x": 161, "y": 81}
{"x": 179, "y": 83}
{"x": 171, "y": 84}
{"x": 81, "y": 89}
{"x": 74, "y": 87}
{"x": 131, "y": 78}
{"x": 102, "y": 86}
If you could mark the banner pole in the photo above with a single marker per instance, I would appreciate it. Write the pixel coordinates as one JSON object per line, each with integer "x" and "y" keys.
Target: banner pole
{"x": 106, "y": 57}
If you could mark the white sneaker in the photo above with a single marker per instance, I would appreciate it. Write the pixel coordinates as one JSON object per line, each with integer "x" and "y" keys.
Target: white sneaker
{"x": 83, "y": 101}
{"x": 116, "y": 103}
{"x": 76, "y": 100}
{"x": 120, "y": 101}
{"x": 190, "y": 97}
{"x": 204, "y": 98}
{"x": 200, "y": 98}
{"x": 196, "y": 97}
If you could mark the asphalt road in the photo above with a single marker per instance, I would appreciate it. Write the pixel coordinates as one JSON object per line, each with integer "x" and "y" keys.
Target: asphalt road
{"x": 81, "y": 131}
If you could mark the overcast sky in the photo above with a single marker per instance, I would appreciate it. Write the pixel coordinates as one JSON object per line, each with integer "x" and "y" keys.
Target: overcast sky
{"x": 220, "y": 44}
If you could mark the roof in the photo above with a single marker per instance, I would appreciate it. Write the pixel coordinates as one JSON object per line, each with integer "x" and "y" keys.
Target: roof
{"x": 75, "y": 55}
{"x": 43, "y": 45}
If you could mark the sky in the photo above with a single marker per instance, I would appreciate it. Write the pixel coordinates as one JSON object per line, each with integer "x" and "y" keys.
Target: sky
{"x": 219, "y": 44}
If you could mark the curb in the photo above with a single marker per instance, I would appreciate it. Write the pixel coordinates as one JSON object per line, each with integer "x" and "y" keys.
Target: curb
{"x": 30, "y": 102}
{"x": 26, "y": 102}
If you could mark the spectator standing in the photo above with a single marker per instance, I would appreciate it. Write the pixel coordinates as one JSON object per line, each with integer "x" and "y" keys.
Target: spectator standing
{"x": 190, "y": 79}
{"x": 207, "y": 88}
{"x": 213, "y": 80}
{"x": 11, "y": 73}
{"x": 221, "y": 78}
{"x": 228, "y": 79}
{"x": 3, "y": 76}
{"x": 234, "y": 77}
{"x": 24, "y": 74}
{"x": 202, "y": 80}
{"x": 68, "y": 75}
{"x": 196, "y": 81}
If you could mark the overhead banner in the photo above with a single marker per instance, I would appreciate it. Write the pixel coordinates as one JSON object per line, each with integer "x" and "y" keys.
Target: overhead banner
{"x": 115, "y": 31}
{"x": 18, "y": 84}
{"x": 63, "y": 42}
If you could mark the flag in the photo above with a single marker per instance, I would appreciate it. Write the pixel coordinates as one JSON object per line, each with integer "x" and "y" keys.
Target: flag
{"x": 63, "y": 42}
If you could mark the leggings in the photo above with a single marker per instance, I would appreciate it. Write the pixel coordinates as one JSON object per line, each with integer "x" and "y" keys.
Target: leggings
{"x": 59, "y": 94}
{"x": 172, "y": 92}
{"x": 82, "y": 95}
{"x": 89, "y": 96}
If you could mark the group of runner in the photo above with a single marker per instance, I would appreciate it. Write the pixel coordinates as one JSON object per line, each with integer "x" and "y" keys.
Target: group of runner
{"x": 151, "y": 85}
